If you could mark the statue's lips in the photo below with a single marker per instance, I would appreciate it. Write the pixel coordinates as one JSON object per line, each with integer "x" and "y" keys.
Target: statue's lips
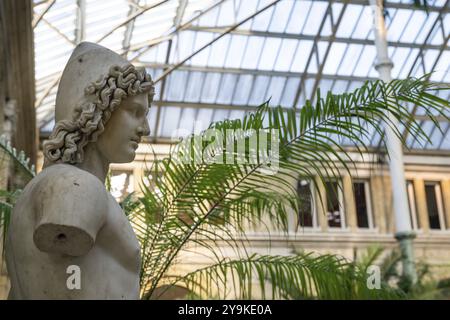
{"x": 135, "y": 142}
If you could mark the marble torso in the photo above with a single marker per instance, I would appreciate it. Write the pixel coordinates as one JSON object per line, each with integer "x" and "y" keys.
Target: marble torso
{"x": 109, "y": 269}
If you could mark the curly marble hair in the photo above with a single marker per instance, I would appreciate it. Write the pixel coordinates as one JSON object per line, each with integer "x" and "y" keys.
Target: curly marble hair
{"x": 69, "y": 137}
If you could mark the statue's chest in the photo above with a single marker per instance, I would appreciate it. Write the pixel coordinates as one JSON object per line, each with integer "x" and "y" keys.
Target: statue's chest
{"x": 119, "y": 239}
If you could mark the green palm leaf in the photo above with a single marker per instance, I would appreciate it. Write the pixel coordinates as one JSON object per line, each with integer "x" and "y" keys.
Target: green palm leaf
{"x": 302, "y": 276}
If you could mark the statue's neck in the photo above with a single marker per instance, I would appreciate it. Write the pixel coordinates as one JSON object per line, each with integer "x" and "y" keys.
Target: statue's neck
{"x": 94, "y": 162}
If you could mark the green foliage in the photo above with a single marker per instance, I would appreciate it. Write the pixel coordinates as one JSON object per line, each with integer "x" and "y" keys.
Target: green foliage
{"x": 205, "y": 204}
{"x": 426, "y": 286}
{"x": 19, "y": 163}
{"x": 19, "y": 160}
{"x": 300, "y": 276}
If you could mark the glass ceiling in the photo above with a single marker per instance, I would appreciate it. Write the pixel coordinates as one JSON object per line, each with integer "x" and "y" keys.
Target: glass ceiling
{"x": 284, "y": 53}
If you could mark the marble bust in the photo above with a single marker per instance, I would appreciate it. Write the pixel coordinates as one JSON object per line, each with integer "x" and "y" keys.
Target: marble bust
{"x": 65, "y": 224}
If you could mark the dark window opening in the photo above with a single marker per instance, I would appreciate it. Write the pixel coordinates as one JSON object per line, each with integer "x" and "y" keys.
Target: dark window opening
{"x": 305, "y": 213}
{"x": 362, "y": 214}
{"x": 432, "y": 205}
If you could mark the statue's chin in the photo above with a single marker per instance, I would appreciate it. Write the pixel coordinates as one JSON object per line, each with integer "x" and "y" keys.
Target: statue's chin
{"x": 124, "y": 157}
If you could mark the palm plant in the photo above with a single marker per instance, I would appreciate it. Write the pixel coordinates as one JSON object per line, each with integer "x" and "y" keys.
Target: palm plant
{"x": 203, "y": 205}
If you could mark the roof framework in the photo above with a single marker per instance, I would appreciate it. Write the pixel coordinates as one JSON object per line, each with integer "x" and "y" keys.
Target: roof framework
{"x": 218, "y": 59}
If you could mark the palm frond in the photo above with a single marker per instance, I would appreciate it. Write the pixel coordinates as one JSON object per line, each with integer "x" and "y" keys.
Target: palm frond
{"x": 18, "y": 158}
{"x": 302, "y": 276}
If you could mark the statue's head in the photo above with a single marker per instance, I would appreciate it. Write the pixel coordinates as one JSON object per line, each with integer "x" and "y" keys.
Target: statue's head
{"x": 101, "y": 99}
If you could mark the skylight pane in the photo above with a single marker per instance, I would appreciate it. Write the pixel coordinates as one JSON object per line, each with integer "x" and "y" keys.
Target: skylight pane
{"x": 236, "y": 114}
{"x": 243, "y": 89}
{"x": 246, "y": 8}
{"x": 286, "y": 54}
{"x": 298, "y": 18}
{"x": 187, "y": 119}
{"x": 252, "y": 52}
{"x": 204, "y": 117}
{"x": 176, "y": 85}
{"x": 429, "y": 58}
{"x": 289, "y": 92}
{"x": 398, "y": 24}
{"x": 210, "y": 87}
{"x": 437, "y": 136}
{"x": 269, "y": 53}
{"x": 280, "y": 16}
{"x": 309, "y": 86}
{"x": 334, "y": 58}
{"x": 151, "y": 117}
{"x": 349, "y": 59}
{"x": 194, "y": 85}
{"x": 219, "y": 51}
{"x": 436, "y": 38}
{"x": 201, "y": 58}
{"x": 236, "y": 51}
{"x": 262, "y": 20}
{"x": 366, "y": 61}
{"x": 168, "y": 121}
{"x": 185, "y": 45}
{"x": 220, "y": 115}
{"x": 227, "y": 88}
{"x": 209, "y": 19}
{"x": 301, "y": 56}
{"x": 327, "y": 27}
{"x": 316, "y": 15}
{"x": 406, "y": 67}
{"x": 411, "y": 31}
{"x": 446, "y": 141}
{"x": 259, "y": 90}
{"x": 364, "y": 25}
{"x": 227, "y": 15}
{"x": 398, "y": 58}
{"x": 349, "y": 20}
{"x": 325, "y": 86}
{"x": 441, "y": 68}
{"x": 340, "y": 86}
{"x": 275, "y": 90}
{"x": 429, "y": 22}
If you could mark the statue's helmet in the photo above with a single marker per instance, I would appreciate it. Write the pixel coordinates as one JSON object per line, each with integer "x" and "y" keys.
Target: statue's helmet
{"x": 93, "y": 83}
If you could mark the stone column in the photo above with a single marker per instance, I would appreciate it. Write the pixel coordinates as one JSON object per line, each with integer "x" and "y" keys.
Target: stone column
{"x": 321, "y": 204}
{"x": 379, "y": 214}
{"x": 445, "y": 187}
{"x": 349, "y": 203}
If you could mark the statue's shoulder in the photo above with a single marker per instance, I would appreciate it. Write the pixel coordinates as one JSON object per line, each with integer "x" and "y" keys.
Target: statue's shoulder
{"x": 64, "y": 180}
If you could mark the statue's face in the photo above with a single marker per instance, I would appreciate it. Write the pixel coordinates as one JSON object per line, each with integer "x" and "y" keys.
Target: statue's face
{"x": 124, "y": 130}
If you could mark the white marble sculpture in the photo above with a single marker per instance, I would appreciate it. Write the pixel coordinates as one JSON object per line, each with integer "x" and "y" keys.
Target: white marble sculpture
{"x": 68, "y": 237}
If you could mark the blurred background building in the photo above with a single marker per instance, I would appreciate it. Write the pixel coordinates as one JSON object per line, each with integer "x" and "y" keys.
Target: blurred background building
{"x": 283, "y": 50}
